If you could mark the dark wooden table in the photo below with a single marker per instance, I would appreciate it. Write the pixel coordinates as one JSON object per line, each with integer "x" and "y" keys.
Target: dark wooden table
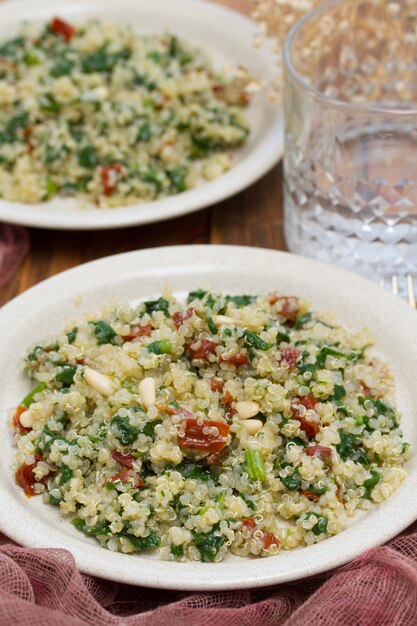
{"x": 253, "y": 217}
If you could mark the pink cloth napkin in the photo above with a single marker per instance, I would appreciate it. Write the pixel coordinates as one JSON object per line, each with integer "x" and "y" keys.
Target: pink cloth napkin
{"x": 14, "y": 245}
{"x": 44, "y": 588}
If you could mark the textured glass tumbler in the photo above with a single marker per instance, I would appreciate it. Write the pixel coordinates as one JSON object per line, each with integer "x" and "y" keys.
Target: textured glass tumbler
{"x": 351, "y": 135}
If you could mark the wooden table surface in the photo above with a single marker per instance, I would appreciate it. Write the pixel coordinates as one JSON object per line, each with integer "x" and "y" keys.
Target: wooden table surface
{"x": 254, "y": 217}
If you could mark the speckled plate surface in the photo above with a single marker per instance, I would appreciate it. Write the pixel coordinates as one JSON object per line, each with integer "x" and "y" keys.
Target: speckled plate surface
{"x": 42, "y": 310}
{"x": 228, "y": 37}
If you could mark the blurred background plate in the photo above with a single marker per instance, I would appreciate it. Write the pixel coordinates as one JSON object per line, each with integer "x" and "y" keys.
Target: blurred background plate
{"x": 43, "y": 310}
{"x": 228, "y": 36}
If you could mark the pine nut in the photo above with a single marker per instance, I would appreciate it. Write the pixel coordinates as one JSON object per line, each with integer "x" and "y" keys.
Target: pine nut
{"x": 27, "y": 418}
{"x": 247, "y": 409}
{"x": 99, "y": 382}
{"x": 252, "y": 426}
{"x": 147, "y": 391}
{"x": 223, "y": 319}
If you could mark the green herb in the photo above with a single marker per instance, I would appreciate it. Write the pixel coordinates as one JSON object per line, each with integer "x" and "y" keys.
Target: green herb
{"x": 292, "y": 481}
{"x": 212, "y": 326}
{"x": 255, "y": 465}
{"x": 301, "y": 320}
{"x": 282, "y": 337}
{"x": 149, "y": 428}
{"x": 101, "y": 434}
{"x": 9, "y": 134}
{"x": 196, "y": 472}
{"x": 288, "y": 441}
{"x": 254, "y": 340}
{"x": 155, "y": 56}
{"x": 55, "y": 501}
{"x": 48, "y": 104}
{"x": 157, "y": 305}
{"x": 196, "y": 295}
{"x": 178, "y": 177}
{"x": 144, "y": 133}
{"x": 350, "y": 448}
{"x": 102, "y": 528}
{"x": 321, "y": 524}
{"x": 88, "y": 157}
{"x": 104, "y": 332}
{"x": 208, "y": 544}
{"x": 11, "y": 47}
{"x": 102, "y": 61}
{"x": 124, "y": 431}
{"x": 339, "y": 392}
{"x": 27, "y": 400}
{"x": 249, "y": 503}
{"x": 177, "y": 551}
{"x": 318, "y": 490}
{"x": 66, "y": 375}
{"x": 328, "y": 351}
{"x": 241, "y": 301}
{"x": 62, "y": 67}
{"x": 66, "y": 475}
{"x": 370, "y": 483}
{"x": 163, "y": 346}
{"x": 142, "y": 543}
{"x": 31, "y": 58}
{"x": 71, "y": 336}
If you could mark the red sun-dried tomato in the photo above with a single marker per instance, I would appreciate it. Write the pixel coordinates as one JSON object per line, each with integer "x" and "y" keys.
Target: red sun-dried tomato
{"x": 63, "y": 29}
{"x": 109, "y": 177}
{"x": 311, "y": 428}
{"x": 179, "y": 317}
{"x": 287, "y": 306}
{"x": 313, "y": 497}
{"x": 137, "y": 331}
{"x": 16, "y": 420}
{"x": 126, "y": 475}
{"x": 196, "y": 439}
{"x": 290, "y": 356}
{"x": 239, "y": 358}
{"x": 124, "y": 458}
{"x": 216, "y": 384}
{"x": 25, "y": 476}
{"x": 268, "y": 539}
{"x": 202, "y": 348}
{"x": 321, "y": 452}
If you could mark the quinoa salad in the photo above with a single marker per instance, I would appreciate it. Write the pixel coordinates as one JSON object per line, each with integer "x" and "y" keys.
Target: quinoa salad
{"x": 109, "y": 117}
{"x": 226, "y": 424}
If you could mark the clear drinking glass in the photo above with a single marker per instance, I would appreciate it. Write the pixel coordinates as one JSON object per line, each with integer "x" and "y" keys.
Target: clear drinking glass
{"x": 351, "y": 135}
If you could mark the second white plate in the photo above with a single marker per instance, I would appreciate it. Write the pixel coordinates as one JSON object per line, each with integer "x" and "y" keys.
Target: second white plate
{"x": 229, "y": 38}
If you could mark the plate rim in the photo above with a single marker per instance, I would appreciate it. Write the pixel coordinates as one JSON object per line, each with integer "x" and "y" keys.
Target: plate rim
{"x": 176, "y": 578}
{"x": 258, "y": 162}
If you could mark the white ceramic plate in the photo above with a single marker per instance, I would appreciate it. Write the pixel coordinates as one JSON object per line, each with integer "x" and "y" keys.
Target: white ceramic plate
{"x": 43, "y": 310}
{"x": 228, "y": 36}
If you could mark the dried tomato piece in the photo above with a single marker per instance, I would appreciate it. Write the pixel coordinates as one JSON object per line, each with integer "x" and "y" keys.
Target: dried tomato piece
{"x": 16, "y": 420}
{"x": 239, "y": 358}
{"x": 180, "y": 316}
{"x": 227, "y": 398}
{"x": 216, "y": 384}
{"x": 25, "y": 476}
{"x": 339, "y": 495}
{"x": 63, "y": 29}
{"x": 308, "y": 401}
{"x": 309, "y": 427}
{"x": 287, "y": 306}
{"x": 124, "y": 476}
{"x": 210, "y": 436}
{"x": 137, "y": 331}
{"x": 202, "y": 348}
{"x": 27, "y": 134}
{"x": 268, "y": 539}
{"x": 175, "y": 410}
{"x": 290, "y": 356}
{"x": 321, "y": 452}
{"x": 313, "y": 497}
{"x": 367, "y": 392}
{"x": 124, "y": 458}
{"x": 109, "y": 177}
{"x": 216, "y": 458}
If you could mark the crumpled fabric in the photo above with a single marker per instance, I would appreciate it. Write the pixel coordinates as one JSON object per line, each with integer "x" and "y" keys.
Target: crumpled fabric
{"x": 43, "y": 587}
{"x": 14, "y": 246}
